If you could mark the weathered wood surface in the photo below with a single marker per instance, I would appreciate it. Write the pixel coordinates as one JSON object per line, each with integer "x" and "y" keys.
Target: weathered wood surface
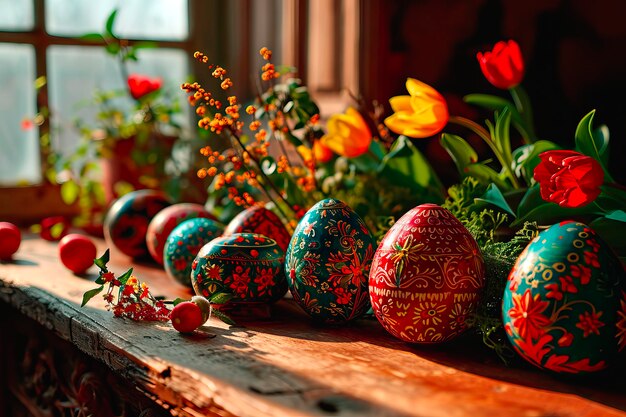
{"x": 287, "y": 366}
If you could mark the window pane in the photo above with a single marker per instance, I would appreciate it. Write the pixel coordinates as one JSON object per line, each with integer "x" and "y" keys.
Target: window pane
{"x": 75, "y": 72}
{"x": 137, "y": 19}
{"x": 16, "y": 15}
{"x": 19, "y": 145}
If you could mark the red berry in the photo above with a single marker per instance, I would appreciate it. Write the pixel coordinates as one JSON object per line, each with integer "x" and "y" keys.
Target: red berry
{"x": 77, "y": 252}
{"x": 186, "y": 317}
{"x": 10, "y": 239}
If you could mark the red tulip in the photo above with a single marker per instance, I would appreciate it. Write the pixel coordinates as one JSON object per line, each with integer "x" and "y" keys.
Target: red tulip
{"x": 141, "y": 85}
{"x": 503, "y": 66}
{"x": 568, "y": 178}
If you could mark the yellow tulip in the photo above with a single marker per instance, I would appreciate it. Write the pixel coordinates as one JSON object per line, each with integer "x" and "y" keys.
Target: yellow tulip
{"x": 348, "y": 135}
{"x": 421, "y": 114}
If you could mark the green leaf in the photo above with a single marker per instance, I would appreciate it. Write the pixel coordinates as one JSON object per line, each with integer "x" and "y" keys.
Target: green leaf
{"x": 595, "y": 146}
{"x": 461, "y": 152}
{"x": 494, "y": 196}
{"x": 69, "y": 192}
{"x": 92, "y": 37}
{"x": 108, "y": 27}
{"x": 294, "y": 140}
{"x": 91, "y": 294}
{"x": 526, "y": 158}
{"x": 288, "y": 106}
{"x": 496, "y": 103}
{"x": 224, "y": 317}
{"x": 112, "y": 48}
{"x": 612, "y": 228}
{"x": 124, "y": 277}
{"x": 485, "y": 175}
{"x": 178, "y": 301}
{"x": 405, "y": 165}
{"x": 268, "y": 166}
{"x": 56, "y": 230}
{"x": 220, "y": 298}
{"x": 502, "y": 133}
{"x": 102, "y": 261}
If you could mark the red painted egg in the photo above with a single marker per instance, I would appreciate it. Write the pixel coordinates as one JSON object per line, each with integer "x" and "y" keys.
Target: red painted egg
{"x": 166, "y": 220}
{"x": 126, "y": 222}
{"x": 259, "y": 220}
{"x": 77, "y": 252}
{"x": 426, "y": 276}
{"x": 10, "y": 239}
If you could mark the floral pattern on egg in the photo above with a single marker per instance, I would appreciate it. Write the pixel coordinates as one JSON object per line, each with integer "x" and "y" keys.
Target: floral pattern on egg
{"x": 564, "y": 308}
{"x": 261, "y": 221}
{"x": 184, "y": 243}
{"x": 328, "y": 261}
{"x": 247, "y": 265}
{"x": 426, "y": 276}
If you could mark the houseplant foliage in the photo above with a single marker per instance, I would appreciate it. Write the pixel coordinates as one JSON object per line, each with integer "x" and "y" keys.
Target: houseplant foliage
{"x": 132, "y": 141}
{"x": 506, "y": 200}
{"x": 355, "y": 159}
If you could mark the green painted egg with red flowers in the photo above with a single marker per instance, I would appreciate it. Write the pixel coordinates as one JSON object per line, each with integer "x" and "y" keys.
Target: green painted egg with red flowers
{"x": 564, "y": 306}
{"x": 249, "y": 266}
{"x": 126, "y": 223}
{"x": 184, "y": 243}
{"x": 328, "y": 261}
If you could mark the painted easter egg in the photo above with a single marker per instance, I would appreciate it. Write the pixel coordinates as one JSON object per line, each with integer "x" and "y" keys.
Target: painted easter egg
{"x": 184, "y": 243}
{"x": 126, "y": 223}
{"x": 564, "y": 306}
{"x": 328, "y": 261}
{"x": 426, "y": 276}
{"x": 246, "y": 265}
{"x": 258, "y": 219}
{"x": 166, "y": 220}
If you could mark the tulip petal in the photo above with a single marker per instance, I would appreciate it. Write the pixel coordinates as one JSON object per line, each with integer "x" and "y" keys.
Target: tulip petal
{"x": 400, "y": 103}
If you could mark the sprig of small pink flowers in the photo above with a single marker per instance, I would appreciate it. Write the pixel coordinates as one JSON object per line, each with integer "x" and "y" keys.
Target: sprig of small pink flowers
{"x": 133, "y": 299}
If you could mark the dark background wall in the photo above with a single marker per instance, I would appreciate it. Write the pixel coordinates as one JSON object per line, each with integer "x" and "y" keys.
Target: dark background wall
{"x": 575, "y": 54}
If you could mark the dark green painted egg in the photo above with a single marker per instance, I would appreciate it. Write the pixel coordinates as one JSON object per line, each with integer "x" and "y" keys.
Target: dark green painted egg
{"x": 184, "y": 243}
{"x": 564, "y": 306}
{"x": 328, "y": 261}
{"x": 247, "y": 265}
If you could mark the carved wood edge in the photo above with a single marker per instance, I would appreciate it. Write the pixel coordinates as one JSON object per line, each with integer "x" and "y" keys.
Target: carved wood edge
{"x": 181, "y": 391}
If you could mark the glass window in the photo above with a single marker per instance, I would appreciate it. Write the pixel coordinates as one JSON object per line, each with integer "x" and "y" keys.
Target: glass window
{"x": 16, "y": 15}
{"x": 75, "y": 72}
{"x": 19, "y": 139}
{"x": 137, "y": 19}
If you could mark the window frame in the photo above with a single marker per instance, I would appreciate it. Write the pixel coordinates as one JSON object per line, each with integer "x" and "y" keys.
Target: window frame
{"x": 30, "y": 203}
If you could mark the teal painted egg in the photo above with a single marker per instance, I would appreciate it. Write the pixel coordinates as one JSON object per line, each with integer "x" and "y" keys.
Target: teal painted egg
{"x": 247, "y": 265}
{"x": 328, "y": 262}
{"x": 564, "y": 306}
{"x": 184, "y": 243}
{"x": 126, "y": 223}
{"x": 262, "y": 221}
{"x": 166, "y": 220}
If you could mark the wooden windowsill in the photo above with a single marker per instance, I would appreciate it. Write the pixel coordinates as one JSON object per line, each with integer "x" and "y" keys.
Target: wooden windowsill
{"x": 287, "y": 366}
{"x": 29, "y": 204}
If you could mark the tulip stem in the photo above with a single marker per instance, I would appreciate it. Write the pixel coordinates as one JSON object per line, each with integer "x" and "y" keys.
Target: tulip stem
{"x": 523, "y": 106}
{"x": 486, "y": 136}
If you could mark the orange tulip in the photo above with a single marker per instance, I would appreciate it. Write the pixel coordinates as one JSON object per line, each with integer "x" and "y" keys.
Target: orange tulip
{"x": 322, "y": 153}
{"x": 421, "y": 114}
{"x": 348, "y": 135}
